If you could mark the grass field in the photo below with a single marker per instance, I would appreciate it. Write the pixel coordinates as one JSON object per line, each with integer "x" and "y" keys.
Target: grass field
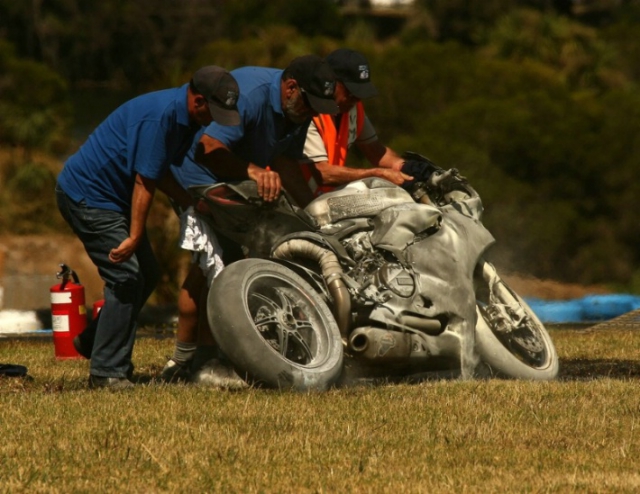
{"x": 577, "y": 434}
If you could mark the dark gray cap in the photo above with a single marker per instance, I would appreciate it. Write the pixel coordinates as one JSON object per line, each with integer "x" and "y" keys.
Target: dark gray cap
{"x": 352, "y": 68}
{"x": 221, "y": 91}
{"x": 316, "y": 79}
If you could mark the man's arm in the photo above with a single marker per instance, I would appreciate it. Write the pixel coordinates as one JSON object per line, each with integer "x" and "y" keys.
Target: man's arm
{"x": 380, "y": 155}
{"x": 377, "y": 154}
{"x": 336, "y": 175}
{"x": 143, "y": 191}
{"x": 214, "y": 155}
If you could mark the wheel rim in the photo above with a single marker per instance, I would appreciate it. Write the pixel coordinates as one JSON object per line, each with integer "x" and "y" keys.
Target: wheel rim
{"x": 288, "y": 320}
{"x": 517, "y": 330}
{"x": 521, "y": 337}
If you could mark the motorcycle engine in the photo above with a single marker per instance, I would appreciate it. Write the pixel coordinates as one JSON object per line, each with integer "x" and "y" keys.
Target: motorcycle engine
{"x": 377, "y": 272}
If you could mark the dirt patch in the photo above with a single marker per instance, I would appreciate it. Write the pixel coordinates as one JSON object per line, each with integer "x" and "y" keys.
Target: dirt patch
{"x": 28, "y": 265}
{"x": 528, "y": 286}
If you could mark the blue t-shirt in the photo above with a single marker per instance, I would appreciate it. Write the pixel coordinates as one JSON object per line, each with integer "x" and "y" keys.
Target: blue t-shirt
{"x": 143, "y": 136}
{"x": 187, "y": 172}
{"x": 263, "y": 133}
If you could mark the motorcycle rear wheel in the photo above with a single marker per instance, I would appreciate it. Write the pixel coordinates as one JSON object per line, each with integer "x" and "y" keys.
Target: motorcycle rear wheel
{"x": 509, "y": 336}
{"x": 274, "y": 327}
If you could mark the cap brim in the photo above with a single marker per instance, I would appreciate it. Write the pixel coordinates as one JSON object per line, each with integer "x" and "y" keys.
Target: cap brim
{"x": 322, "y": 105}
{"x": 361, "y": 90}
{"x": 224, "y": 116}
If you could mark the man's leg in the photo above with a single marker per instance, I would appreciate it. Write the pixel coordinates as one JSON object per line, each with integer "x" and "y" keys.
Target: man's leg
{"x": 210, "y": 366}
{"x": 127, "y": 285}
{"x": 178, "y": 367}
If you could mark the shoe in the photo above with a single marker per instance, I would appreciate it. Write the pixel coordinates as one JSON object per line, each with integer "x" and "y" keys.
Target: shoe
{"x": 176, "y": 372}
{"x": 113, "y": 383}
{"x": 217, "y": 374}
{"x": 77, "y": 344}
{"x": 130, "y": 372}
{"x": 12, "y": 370}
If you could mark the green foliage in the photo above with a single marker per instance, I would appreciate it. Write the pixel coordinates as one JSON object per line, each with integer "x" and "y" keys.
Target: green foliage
{"x": 27, "y": 200}
{"x": 538, "y": 152}
{"x": 273, "y": 46}
{"x": 248, "y": 17}
{"x": 34, "y": 104}
{"x": 464, "y": 21}
{"x": 576, "y": 52}
{"x": 533, "y": 100}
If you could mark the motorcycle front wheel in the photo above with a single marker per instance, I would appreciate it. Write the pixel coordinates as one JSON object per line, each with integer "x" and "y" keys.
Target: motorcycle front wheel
{"x": 274, "y": 327}
{"x": 509, "y": 336}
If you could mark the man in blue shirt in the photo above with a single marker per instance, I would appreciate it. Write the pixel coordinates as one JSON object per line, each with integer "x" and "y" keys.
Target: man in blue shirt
{"x": 105, "y": 192}
{"x": 276, "y": 107}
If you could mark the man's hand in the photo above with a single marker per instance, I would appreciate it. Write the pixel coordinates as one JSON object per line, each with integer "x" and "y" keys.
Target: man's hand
{"x": 269, "y": 183}
{"x": 124, "y": 251}
{"x": 143, "y": 190}
{"x": 394, "y": 176}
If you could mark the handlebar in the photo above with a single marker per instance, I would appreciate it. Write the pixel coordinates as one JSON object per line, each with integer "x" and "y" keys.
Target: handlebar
{"x": 444, "y": 187}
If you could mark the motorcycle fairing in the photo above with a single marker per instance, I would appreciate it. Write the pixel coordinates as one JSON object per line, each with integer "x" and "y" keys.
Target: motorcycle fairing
{"x": 366, "y": 197}
{"x": 398, "y": 226}
{"x": 442, "y": 264}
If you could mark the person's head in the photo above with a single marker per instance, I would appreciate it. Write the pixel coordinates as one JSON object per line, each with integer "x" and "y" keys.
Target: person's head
{"x": 213, "y": 96}
{"x": 307, "y": 89}
{"x": 353, "y": 78}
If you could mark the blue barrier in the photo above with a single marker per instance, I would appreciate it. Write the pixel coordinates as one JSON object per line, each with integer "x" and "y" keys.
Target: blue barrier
{"x": 591, "y": 308}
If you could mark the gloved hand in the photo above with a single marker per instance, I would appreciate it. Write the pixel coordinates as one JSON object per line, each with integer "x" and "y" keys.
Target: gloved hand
{"x": 419, "y": 170}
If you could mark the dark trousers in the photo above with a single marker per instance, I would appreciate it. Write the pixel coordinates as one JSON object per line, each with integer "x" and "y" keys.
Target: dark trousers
{"x": 127, "y": 284}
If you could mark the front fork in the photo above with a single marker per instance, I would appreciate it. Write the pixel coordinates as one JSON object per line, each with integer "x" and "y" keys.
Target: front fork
{"x": 502, "y": 308}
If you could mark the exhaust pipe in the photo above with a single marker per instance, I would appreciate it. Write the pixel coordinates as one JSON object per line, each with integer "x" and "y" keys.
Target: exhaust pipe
{"x": 380, "y": 344}
{"x": 331, "y": 271}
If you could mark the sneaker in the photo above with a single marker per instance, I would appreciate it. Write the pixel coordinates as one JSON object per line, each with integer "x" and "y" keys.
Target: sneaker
{"x": 176, "y": 372}
{"x": 113, "y": 383}
{"x": 218, "y": 374}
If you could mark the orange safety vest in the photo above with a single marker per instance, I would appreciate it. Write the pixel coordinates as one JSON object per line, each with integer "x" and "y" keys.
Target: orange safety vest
{"x": 336, "y": 142}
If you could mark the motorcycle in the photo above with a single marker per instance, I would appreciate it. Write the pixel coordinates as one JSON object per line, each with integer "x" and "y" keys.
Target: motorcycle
{"x": 368, "y": 276}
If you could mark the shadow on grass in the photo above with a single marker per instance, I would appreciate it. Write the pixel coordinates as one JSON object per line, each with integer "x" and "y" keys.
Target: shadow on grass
{"x": 590, "y": 369}
{"x": 570, "y": 370}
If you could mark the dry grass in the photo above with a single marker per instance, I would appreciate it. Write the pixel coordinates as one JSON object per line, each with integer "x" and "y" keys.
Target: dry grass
{"x": 575, "y": 434}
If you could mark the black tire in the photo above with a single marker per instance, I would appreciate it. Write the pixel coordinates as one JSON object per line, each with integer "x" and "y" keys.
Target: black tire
{"x": 524, "y": 352}
{"x": 274, "y": 327}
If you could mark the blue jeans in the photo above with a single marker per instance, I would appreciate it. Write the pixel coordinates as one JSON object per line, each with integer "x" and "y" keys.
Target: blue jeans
{"x": 127, "y": 284}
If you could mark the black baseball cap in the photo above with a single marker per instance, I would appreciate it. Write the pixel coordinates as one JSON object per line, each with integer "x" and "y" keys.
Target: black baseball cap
{"x": 352, "y": 69}
{"x": 317, "y": 80}
{"x": 221, "y": 91}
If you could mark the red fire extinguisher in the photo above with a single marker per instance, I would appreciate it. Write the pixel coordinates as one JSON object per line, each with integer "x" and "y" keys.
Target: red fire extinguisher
{"x": 97, "y": 307}
{"x": 68, "y": 313}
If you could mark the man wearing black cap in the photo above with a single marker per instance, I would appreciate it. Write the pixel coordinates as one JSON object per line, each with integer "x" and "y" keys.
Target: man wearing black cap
{"x": 276, "y": 107}
{"x": 329, "y": 137}
{"x": 105, "y": 191}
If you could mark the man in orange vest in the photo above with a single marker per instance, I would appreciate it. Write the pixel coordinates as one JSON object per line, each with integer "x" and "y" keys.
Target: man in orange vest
{"x": 330, "y": 136}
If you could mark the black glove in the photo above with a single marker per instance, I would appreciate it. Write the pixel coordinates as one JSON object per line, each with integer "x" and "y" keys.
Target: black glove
{"x": 419, "y": 170}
